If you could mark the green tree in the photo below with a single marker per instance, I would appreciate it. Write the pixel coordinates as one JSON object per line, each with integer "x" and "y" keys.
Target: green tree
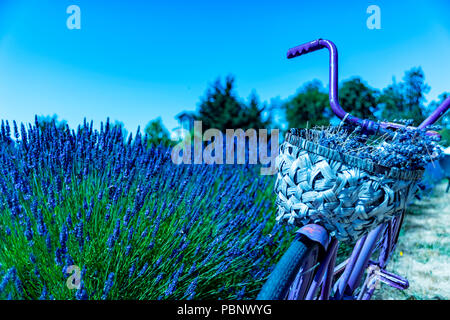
{"x": 357, "y": 98}
{"x": 157, "y": 133}
{"x": 405, "y": 100}
{"x": 253, "y": 114}
{"x": 221, "y": 108}
{"x": 121, "y": 125}
{"x": 309, "y": 105}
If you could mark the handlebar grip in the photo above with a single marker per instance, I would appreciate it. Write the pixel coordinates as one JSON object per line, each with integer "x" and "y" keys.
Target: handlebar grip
{"x": 305, "y": 48}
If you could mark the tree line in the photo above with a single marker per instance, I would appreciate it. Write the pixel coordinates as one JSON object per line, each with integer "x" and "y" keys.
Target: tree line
{"x": 222, "y": 108}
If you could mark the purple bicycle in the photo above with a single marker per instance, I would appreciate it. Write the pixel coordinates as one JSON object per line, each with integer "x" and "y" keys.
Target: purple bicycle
{"x": 337, "y": 197}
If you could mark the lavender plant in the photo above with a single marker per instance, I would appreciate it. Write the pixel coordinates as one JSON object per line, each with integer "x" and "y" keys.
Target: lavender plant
{"x": 137, "y": 225}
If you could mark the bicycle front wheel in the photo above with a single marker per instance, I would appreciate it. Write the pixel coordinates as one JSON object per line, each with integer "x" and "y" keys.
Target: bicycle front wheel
{"x": 294, "y": 273}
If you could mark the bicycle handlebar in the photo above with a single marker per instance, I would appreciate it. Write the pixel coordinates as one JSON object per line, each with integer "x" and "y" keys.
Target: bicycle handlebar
{"x": 368, "y": 126}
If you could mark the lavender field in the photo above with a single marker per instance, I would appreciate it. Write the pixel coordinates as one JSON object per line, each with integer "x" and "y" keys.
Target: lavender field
{"x": 134, "y": 224}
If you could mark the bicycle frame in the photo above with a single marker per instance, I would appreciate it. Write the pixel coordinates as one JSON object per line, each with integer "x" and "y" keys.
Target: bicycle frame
{"x": 354, "y": 268}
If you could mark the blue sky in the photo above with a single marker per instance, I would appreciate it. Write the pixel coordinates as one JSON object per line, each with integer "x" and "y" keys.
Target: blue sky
{"x": 136, "y": 60}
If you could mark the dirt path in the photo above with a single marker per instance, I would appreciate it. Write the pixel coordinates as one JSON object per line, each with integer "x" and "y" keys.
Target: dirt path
{"x": 423, "y": 251}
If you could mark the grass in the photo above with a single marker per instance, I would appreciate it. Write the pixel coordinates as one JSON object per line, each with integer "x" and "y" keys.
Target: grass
{"x": 423, "y": 250}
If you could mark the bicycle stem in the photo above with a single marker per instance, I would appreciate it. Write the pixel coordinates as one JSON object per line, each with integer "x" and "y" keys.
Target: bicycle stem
{"x": 436, "y": 114}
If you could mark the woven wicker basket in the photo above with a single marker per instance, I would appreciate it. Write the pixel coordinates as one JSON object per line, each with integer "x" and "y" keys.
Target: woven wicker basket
{"x": 347, "y": 195}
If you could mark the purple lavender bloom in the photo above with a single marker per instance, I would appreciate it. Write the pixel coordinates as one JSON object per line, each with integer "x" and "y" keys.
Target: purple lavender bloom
{"x": 51, "y": 197}
{"x": 79, "y": 234}
{"x": 144, "y": 233}
{"x": 144, "y": 268}
{"x": 69, "y": 220}
{"x": 126, "y": 218}
{"x": 193, "y": 268}
{"x": 208, "y": 258}
{"x": 53, "y": 220}
{"x": 108, "y": 285}
{"x": 36, "y": 271}
{"x": 88, "y": 215}
{"x": 155, "y": 209}
{"x": 79, "y": 215}
{"x": 138, "y": 222}
{"x": 130, "y": 234}
{"x": 48, "y": 242}
{"x": 131, "y": 270}
{"x": 184, "y": 245}
{"x": 81, "y": 293}
{"x": 111, "y": 242}
{"x": 85, "y": 204}
{"x": 68, "y": 181}
{"x": 240, "y": 293}
{"x": 58, "y": 256}
{"x": 16, "y": 208}
{"x": 158, "y": 262}
{"x": 159, "y": 278}
{"x": 223, "y": 266}
{"x": 127, "y": 250}
{"x": 63, "y": 238}
{"x": 10, "y": 275}
{"x": 117, "y": 194}
{"x": 8, "y": 129}
{"x": 41, "y": 227}
{"x": 16, "y": 131}
{"x": 32, "y": 258}
{"x": 174, "y": 282}
{"x": 34, "y": 208}
{"x": 197, "y": 249}
{"x": 116, "y": 232}
{"x": 44, "y": 293}
{"x": 83, "y": 272}
{"x": 190, "y": 292}
{"x": 28, "y": 231}
{"x": 69, "y": 260}
{"x": 18, "y": 284}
